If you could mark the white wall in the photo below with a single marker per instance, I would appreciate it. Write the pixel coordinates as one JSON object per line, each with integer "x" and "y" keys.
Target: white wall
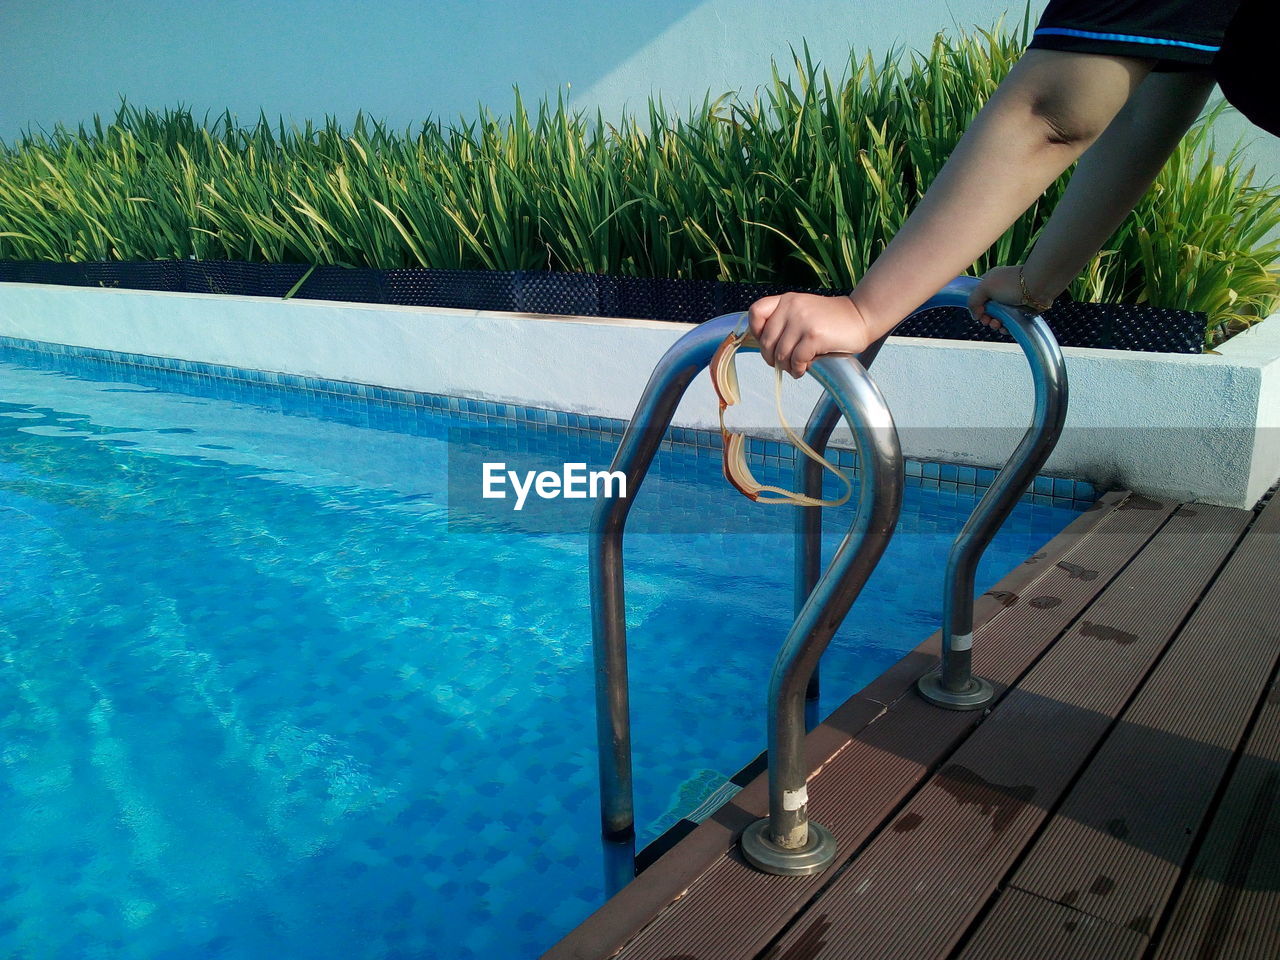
{"x": 1196, "y": 427}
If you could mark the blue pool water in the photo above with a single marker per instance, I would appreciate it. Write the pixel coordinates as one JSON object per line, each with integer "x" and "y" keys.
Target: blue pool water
{"x": 260, "y": 698}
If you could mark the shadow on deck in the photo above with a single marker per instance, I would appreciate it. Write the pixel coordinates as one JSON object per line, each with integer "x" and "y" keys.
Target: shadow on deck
{"x": 1121, "y": 798}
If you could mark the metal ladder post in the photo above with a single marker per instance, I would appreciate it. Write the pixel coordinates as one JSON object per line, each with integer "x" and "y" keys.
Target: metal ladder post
{"x": 785, "y": 843}
{"x": 953, "y": 685}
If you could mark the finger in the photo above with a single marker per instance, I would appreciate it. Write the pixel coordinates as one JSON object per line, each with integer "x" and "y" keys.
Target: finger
{"x": 785, "y": 344}
{"x": 987, "y": 320}
{"x": 759, "y": 312}
{"x": 802, "y": 356}
{"x": 978, "y": 302}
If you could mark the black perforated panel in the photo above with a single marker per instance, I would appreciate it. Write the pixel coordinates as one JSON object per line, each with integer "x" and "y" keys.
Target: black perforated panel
{"x": 1111, "y": 326}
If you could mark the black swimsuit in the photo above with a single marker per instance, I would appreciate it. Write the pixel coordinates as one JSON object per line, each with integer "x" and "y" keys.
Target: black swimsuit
{"x": 1229, "y": 37}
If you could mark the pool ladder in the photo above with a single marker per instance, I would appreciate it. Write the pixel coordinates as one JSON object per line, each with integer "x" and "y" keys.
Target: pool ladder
{"x": 787, "y": 842}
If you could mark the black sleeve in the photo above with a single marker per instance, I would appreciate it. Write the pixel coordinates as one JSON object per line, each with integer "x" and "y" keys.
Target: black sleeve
{"x": 1243, "y": 66}
{"x": 1171, "y": 31}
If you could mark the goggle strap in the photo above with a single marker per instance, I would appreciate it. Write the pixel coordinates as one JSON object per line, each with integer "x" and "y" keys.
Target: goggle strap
{"x": 811, "y": 453}
{"x": 784, "y": 496}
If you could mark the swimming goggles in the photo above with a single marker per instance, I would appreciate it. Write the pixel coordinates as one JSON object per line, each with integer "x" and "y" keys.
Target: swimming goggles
{"x": 724, "y": 378}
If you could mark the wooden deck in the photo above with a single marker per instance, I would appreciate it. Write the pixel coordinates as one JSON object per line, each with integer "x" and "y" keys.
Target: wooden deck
{"x": 1121, "y": 799}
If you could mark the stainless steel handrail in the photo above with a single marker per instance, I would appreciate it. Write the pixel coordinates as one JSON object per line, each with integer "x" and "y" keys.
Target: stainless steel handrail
{"x": 953, "y": 685}
{"x": 787, "y": 842}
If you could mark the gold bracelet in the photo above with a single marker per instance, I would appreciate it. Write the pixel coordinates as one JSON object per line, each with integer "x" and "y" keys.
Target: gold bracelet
{"x": 1028, "y": 300}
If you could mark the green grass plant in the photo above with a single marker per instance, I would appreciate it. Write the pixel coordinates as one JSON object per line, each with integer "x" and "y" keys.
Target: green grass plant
{"x": 803, "y": 182}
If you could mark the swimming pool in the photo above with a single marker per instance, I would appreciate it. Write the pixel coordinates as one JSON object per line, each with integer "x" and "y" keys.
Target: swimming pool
{"x": 265, "y": 693}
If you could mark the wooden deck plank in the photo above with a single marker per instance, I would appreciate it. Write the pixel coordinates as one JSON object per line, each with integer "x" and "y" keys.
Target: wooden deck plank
{"x": 732, "y": 911}
{"x": 625, "y": 914}
{"x": 917, "y": 887}
{"x": 1023, "y": 927}
{"x": 1230, "y": 906}
{"x": 1119, "y": 842}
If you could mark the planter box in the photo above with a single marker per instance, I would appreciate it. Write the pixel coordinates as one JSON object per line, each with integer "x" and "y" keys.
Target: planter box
{"x": 1194, "y": 427}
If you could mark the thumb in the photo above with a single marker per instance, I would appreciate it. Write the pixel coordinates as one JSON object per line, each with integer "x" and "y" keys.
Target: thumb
{"x": 978, "y": 298}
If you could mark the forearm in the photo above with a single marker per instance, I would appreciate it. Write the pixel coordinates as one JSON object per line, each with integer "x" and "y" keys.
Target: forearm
{"x": 1112, "y": 177}
{"x": 1043, "y": 117}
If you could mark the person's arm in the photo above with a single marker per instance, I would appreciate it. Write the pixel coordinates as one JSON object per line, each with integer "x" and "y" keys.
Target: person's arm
{"x": 1045, "y": 114}
{"x": 1112, "y": 176}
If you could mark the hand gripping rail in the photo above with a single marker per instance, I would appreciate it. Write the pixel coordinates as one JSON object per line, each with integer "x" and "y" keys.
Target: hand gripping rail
{"x": 787, "y": 842}
{"x": 953, "y": 686}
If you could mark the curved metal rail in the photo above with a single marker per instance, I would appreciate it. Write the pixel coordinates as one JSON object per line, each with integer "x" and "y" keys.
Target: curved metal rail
{"x": 953, "y": 686}
{"x": 787, "y": 842}
{"x": 808, "y": 520}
